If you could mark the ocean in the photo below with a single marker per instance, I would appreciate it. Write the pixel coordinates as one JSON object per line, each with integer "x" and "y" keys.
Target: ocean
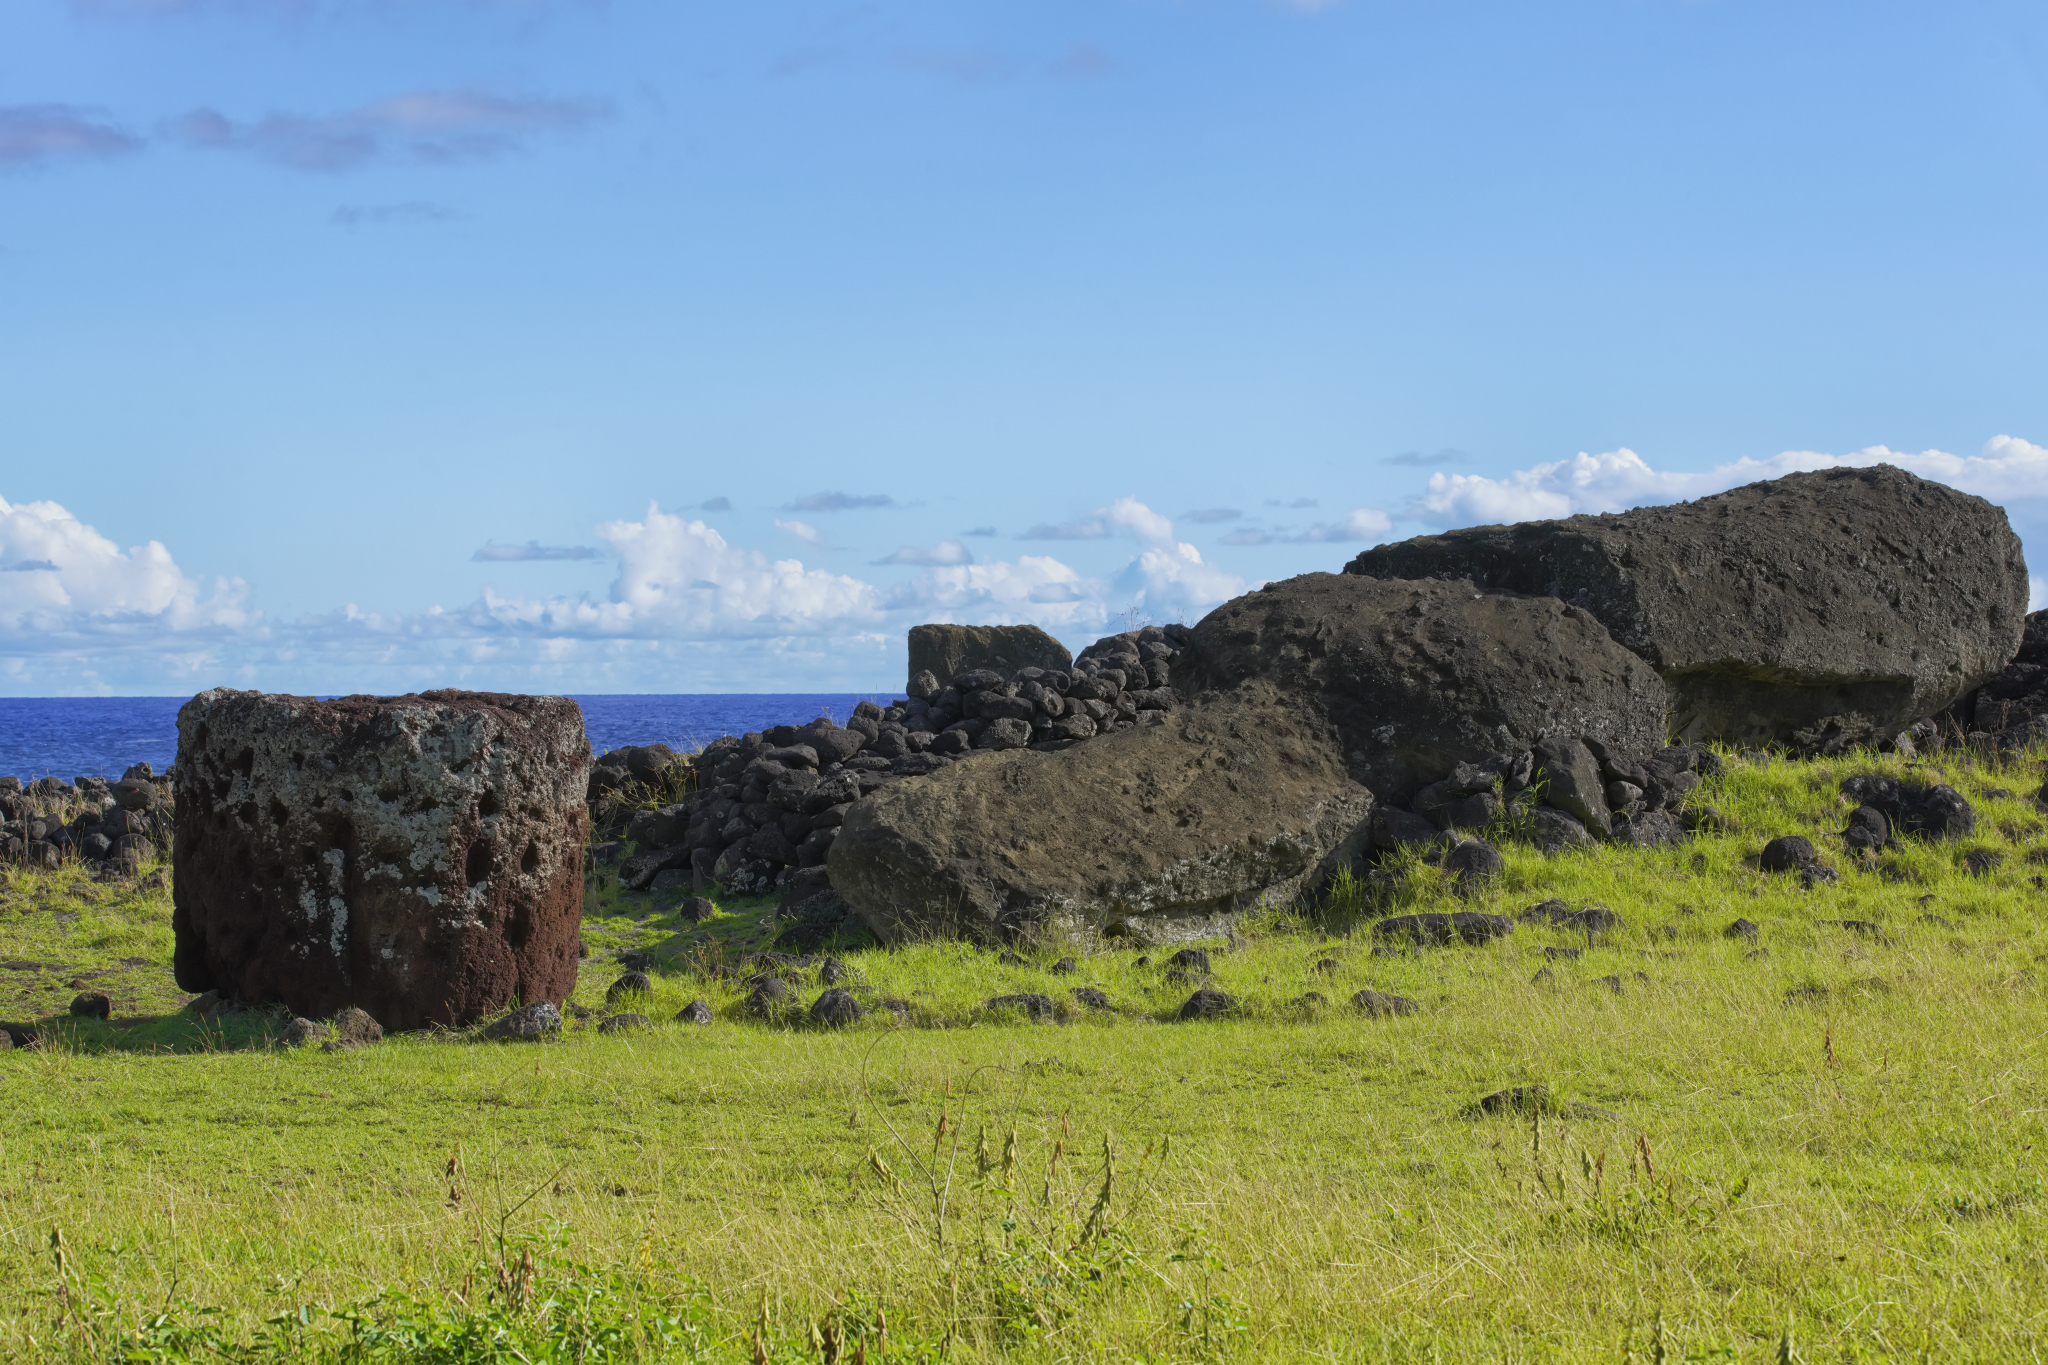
{"x": 100, "y": 736}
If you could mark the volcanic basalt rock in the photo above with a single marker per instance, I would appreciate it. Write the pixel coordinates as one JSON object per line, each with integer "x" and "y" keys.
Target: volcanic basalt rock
{"x": 945, "y": 651}
{"x": 1844, "y": 602}
{"x": 1419, "y": 677}
{"x": 418, "y": 857}
{"x": 1162, "y": 832}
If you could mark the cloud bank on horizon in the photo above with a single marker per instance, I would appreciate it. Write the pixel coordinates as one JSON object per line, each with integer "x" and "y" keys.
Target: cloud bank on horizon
{"x": 688, "y": 609}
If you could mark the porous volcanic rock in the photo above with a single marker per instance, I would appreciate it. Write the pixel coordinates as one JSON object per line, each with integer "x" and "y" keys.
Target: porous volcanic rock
{"x": 946, "y": 651}
{"x": 1850, "y": 600}
{"x": 1418, "y": 677}
{"x": 1162, "y": 832}
{"x": 419, "y": 857}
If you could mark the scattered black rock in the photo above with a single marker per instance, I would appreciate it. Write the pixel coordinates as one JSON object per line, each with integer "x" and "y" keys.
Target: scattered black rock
{"x": 623, "y": 1023}
{"x": 1565, "y": 954}
{"x": 629, "y": 985}
{"x": 1207, "y": 1004}
{"x": 832, "y": 971}
{"x": 1329, "y": 966}
{"x": 1593, "y": 919}
{"x": 1066, "y": 966}
{"x": 92, "y": 1005}
{"x": 1091, "y": 997}
{"x": 527, "y": 1024}
{"x": 353, "y": 1028}
{"x": 1379, "y": 1005}
{"x": 300, "y": 1032}
{"x": 696, "y": 1012}
{"x": 1009, "y": 959}
{"x": 1039, "y": 1009}
{"x": 1869, "y": 828}
{"x": 1520, "y": 1099}
{"x": 1859, "y": 926}
{"x": 1788, "y": 853}
{"x": 1191, "y": 960}
{"x": 697, "y": 909}
{"x": 1938, "y": 922}
{"x": 1982, "y": 862}
{"x": 1612, "y": 983}
{"x": 771, "y": 994}
{"x": 1743, "y": 929}
{"x": 1544, "y": 977}
{"x": 836, "y": 1008}
{"x": 635, "y": 962}
{"x": 1806, "y": 995}
{"x": 1918, "y": 810}
{"x": 1464, "y": 925}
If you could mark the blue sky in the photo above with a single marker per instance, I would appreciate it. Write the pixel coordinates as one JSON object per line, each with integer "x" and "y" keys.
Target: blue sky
{"x": 602, "y": 345}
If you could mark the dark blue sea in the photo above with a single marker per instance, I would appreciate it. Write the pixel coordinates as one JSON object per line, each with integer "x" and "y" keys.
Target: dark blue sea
{"x": 100, "y": 736}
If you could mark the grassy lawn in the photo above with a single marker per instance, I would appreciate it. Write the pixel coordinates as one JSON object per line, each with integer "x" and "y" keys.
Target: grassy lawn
{"x": 1822, "y": 1143}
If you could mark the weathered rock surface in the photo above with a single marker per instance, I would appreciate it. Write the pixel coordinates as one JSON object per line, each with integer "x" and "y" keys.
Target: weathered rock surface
{"x": 946, "y": 651}
{"x": 1161, "y": 832}
{"x": 1776, "y": 608}
{"x": 1418, "y": 677}
{"x": 419, "y": 857}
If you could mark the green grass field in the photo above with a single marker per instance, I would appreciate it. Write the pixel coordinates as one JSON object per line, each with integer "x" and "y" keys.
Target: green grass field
{"x": 1822, "y": 1145}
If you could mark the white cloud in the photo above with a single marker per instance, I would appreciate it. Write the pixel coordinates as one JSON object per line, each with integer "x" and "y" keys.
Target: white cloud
{"x": 429, "y": 127}
{"x": 801, "y": 530}
{"x": 1125, "y": 514}
{"x": 1360, "y": 523}
{"x": 71, "y": 585}
{"x": 2008, "y": 468}
{"x": 1173, "y": 581}
{"x": 1036, "y": 588}
{"x": 945, "y": 552}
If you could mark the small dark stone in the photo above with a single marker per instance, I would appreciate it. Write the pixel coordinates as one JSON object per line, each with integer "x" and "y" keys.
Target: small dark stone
{"x": 1039, "y": 1009}
{"x": 92, "y": 1005}
{"x": 1521, "y": 1099}
{"x": 354, "y": 1028}
{"x": 1191, "y": 960}
{"x": 1868, "y": 829}
{"x": 1818, "y": 874}
{"x": 1066, "y": 966}
{"x": 1207, "y": 1004}
{"x": 636, "y": 962}
{"x": 299, "y": 1032}
{"x": 1806, "y": 995}
{"x": 1329, "y": 966}
{"x": 576, "y": 1011}
{"x": 836, "y": 1008}
{"x": 834, "y": 971}
{"x": 623, "y": 1023}
{"x": 1091, "y": 997}
{"x": 631, "y": 984}
{"x": 1612, "y": 983}
{"x": 1981, "y": 862}
{"x": 1010, "y": 959}
{"x": 1938, "y": 922}
{"x": 1741, "y": 928}
{"x": 1788, "y": 853}
{"x": 696, "y": 909}
{"x": 1378, "y": 1005}
{"x": 1594, "y": 919}
{"x": 1143, "y": 962}
{"x": 1566, "y": 954}
{"x": 1544, "y": 977}
{"x": 696, "y": 1012}
{"x": 1859, "y": 926}
{"x": 1465, "y": 925}
{"x": 769, "y": 996}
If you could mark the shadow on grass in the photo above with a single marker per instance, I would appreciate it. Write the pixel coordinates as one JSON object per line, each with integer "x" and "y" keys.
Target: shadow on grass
{"x": 182, "y": 1033}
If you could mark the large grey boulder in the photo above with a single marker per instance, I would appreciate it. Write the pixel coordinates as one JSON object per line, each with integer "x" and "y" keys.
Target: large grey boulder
{"x": 1311, "y": 698}
{"x": 1163, "y": 832}
{"x": 1777, "y": 608}
{"x": 946, "y": 651}
{"x": 1418, "y": 677}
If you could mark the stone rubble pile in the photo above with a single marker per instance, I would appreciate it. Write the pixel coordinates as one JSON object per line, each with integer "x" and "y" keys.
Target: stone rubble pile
{"x": 114, "y": 826}
{"x": 774, "y": 801}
